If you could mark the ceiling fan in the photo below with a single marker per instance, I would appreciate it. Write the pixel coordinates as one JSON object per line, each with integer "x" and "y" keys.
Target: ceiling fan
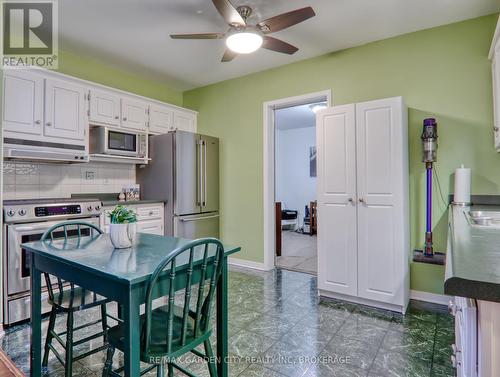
{"x": 242, "y": 38}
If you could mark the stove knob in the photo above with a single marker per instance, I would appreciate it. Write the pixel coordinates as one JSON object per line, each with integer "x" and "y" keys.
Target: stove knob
{"x": 97, "y": 208}
{"x": 11, "y": 212}
{"x": 22, "y": 212}
{"x": 89, "y": 208}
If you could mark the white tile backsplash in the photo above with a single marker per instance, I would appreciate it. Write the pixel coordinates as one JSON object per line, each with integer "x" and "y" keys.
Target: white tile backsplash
{"x": 31, "y": 181}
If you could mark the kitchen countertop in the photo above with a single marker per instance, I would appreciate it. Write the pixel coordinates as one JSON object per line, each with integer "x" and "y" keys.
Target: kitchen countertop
{"x": 111, "y": 199}
{"x": 473, "y": 257}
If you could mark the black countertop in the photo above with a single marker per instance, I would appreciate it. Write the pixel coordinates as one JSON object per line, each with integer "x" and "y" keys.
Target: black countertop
{"x": 473, "y": 256}
{"x": 111, "y": 199}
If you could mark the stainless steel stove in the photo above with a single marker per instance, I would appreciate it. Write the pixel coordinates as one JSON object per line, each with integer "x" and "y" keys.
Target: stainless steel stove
{"x": 26, "y": 221}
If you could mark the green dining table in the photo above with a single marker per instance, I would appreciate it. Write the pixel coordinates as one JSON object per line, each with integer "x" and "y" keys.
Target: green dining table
{"x": 120, "y": 275}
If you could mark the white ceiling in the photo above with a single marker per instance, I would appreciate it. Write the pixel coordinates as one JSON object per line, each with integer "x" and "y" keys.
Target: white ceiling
{"x": 134, "y": 34}
{"x": 294, "y": 117}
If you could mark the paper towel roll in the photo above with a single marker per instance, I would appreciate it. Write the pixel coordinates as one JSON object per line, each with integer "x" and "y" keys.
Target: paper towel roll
{"x": 462, "y": 185}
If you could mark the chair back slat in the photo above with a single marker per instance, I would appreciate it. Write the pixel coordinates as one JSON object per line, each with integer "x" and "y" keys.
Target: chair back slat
{"x": 187, "y": 296}
{"x": 201, "y": 291}
{"x": 184, "y": 263}
{"x": 51, "y": 234}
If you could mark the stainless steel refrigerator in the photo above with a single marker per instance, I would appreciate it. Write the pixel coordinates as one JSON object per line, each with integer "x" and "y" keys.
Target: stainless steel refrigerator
{"x": 184, "y": 172}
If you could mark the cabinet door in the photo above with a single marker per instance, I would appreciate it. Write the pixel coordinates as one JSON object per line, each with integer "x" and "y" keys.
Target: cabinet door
{"x": 22, "y": 102}
{"x": 134, "y": 114}
{"x": 496, "y": 99}
{"x": 160, "y": 119}
{"x": 64, "y": 110}
{"x": 151, "y": 227}
{"x": 336, "y": 195}
{"x": 381, "y": 223}
{"x": 185, "y": 121}
{"x": 104, "y": 107}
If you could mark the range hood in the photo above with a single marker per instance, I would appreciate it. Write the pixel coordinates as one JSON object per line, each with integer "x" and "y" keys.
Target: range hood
{"x": 37, "y": 151}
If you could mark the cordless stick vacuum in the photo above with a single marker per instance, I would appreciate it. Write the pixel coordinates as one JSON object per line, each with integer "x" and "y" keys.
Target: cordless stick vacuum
{"x": 429, "y": 156}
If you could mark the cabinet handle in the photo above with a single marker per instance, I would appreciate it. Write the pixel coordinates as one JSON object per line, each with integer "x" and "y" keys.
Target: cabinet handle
{"x": 124, "y": 119}
{"x": 452, "y": 309}
{"x": 37, "y": 122}
{"x": 151, "y": 213}
{"x": 350, "y": 200}
{"x": 48, "y": 124}
{"x": 117, "y": 117}
{"x": 361, "y": 200}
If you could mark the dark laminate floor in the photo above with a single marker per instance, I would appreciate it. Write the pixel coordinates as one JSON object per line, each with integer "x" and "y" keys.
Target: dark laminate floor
{"x": 278, "y": 327}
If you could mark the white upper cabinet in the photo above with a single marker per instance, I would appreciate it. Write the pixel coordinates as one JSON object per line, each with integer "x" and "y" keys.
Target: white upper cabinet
{"x": 495, "y": 76}
{"x": 185, "y": 121}
{"x": 134, "y": 114}
{"x": 65, "y": 109}
{"x": 104, "y": 107}
{"x": 161, "y": 119}
{"x": 22, "y": 103}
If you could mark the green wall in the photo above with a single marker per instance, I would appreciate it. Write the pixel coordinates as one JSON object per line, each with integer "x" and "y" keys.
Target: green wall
{"x": 93, "y": 70}
{"x": 442, "y": 72}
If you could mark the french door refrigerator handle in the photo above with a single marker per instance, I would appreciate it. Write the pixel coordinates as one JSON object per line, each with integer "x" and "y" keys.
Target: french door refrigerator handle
{"x": 204, "y": 144}
{"x": 199, "y": 218}
{"x": 199, "y": 198}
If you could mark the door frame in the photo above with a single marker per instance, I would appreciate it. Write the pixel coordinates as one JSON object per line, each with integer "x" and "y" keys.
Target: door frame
{"x": 269, "y": 163}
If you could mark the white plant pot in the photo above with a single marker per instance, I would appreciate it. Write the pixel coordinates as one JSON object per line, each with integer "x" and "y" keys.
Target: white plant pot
{"x": 123, "y": 236}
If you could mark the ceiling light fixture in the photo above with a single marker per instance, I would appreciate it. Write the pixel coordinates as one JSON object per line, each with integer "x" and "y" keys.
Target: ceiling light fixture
{"x": 315, "y": 107}
{"x": 244, "y": 42}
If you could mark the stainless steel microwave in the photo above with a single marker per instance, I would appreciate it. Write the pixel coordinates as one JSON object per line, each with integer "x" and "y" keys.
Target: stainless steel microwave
{"x": 104, "y": 140}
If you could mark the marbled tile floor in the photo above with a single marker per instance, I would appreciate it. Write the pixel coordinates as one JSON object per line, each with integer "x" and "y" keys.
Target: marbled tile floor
{"x": 278, "y": 327}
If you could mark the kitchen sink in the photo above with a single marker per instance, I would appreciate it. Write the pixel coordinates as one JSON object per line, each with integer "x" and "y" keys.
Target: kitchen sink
{"x": 484, "y": 218}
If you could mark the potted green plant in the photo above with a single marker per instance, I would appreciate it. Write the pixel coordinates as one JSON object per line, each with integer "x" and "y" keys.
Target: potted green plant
{"x": 123, "y": 228}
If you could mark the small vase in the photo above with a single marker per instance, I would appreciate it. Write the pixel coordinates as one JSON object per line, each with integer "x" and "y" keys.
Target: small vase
{"x": 123, "y": 236}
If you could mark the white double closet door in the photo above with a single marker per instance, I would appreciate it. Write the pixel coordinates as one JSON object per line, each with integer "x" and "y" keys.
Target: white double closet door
{"x": 362, "y": 157}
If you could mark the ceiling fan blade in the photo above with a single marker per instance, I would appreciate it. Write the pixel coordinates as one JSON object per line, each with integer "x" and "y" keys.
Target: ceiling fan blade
{"x": 286, "y": 20}
{"x": 229, "y": 12}
{"x": 278, "y": 45}
{"x": 198, "y": 36}
{"x": 228, "y": 55}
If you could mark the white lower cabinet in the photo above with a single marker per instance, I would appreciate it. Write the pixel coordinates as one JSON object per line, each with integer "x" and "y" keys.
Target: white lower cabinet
{"x": 150, "y": 217}
{"x": 363, "y": 219}
{"x": 465, "y": 348}
{"x": 151, "y": 227}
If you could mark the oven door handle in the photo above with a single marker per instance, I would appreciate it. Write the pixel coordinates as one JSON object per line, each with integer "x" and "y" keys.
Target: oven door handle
{"x": 25, "y": 228}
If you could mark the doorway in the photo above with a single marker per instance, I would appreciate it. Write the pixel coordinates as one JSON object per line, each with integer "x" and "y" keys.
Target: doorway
{"x": 289, "y": 181}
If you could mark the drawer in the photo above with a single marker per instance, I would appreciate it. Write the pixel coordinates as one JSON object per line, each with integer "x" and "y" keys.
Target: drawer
{"x": 151, "y": 227}
{"x": 149, "y": 212}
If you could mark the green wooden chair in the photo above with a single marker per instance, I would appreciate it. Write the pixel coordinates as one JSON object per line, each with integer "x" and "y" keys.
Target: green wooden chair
{"x": 65, "y": 297}
{"x": 175, "y": 329}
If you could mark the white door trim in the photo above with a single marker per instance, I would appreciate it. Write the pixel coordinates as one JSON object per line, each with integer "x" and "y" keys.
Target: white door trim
{"x": 268, "y": 132}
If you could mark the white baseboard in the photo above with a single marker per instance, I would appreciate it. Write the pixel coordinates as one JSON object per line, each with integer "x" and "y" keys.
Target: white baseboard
{"x": 247, "y": 264}
{"x": 430, "y": 297}
{"x": 363, "y": 301}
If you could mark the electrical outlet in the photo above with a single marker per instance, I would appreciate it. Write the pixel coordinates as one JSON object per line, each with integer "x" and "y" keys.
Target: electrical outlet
{"x": 89, "y": 175}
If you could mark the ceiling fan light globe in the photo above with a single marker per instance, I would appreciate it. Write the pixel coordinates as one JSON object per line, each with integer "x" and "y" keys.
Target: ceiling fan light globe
{"x": 244, "y": 42}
